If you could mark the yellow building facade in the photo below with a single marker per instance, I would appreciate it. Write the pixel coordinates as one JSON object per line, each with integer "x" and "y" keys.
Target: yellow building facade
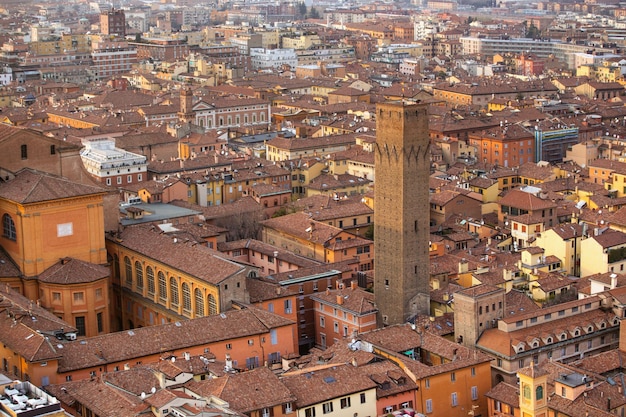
{"x": 157, "y": 289}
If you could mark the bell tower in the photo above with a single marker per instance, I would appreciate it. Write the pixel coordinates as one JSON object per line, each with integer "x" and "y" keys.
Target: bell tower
{"x": 533, "y": 381}
{"x": 186, "y": 114}
{"x": 402, "y": 214}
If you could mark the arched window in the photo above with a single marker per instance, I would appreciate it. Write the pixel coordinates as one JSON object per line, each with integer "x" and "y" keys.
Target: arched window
{"x": 539, "y": 393}
{"x": 139, "y": 275}
{"x": 526, "y": 391}
{"x": 8, "y": 227}
{"x": 212, "y": 304}
{"x": 186, "y": 297}
{"x": 128, "y": 269}
{"x": 162, "y": 287}
{"x": 174, "y": 291}
{"x": 199, "y": 299}
{"x": 150, "y": 276}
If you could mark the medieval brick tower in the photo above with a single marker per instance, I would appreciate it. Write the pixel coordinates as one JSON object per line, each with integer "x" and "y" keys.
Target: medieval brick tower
{"x": 186, "y": 114}
{"x": 402, "y": 214}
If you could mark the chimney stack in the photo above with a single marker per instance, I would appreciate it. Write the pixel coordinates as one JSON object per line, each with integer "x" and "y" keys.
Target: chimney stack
{"x": 339, "y": 299}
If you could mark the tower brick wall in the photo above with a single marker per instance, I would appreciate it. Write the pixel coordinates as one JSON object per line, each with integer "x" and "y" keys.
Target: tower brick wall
{"x": 401, "y": 220}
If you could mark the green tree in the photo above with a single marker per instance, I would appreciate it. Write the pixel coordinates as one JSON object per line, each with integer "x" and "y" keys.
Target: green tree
{"x": 302, "y": 9}
{"x": 533, "y": 32}
{"x": 313, "y": 13}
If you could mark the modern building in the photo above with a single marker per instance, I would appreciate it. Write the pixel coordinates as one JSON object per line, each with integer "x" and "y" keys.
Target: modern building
{"x": 113, "y": 166}
{"x": 111, "y": 59}
{"x": 267, "y": 59}
{"x": 113, "y": 22}
{"x": 21, "y": 398}
{"x": 401, "y": 222}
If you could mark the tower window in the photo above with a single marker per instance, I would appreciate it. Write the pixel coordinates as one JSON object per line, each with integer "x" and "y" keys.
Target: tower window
{"x": 24, "y": 151}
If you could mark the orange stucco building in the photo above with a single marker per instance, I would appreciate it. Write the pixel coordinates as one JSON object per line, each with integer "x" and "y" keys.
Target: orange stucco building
{"x": 53, "y": 232}
{"x": 508, "y": 145}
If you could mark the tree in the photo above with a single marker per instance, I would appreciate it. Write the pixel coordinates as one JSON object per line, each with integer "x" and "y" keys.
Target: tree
{"x": 313, "y": 13}
{"x": 533, "y": 32}
{"x": 302, "y": 9}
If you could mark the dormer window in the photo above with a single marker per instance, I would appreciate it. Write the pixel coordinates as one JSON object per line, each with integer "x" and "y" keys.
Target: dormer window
{"x": 563, "y": 336}
{"x": 549, "y": 340}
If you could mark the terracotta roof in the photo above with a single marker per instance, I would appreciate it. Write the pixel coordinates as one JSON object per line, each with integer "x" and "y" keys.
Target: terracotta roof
{"x": 312, "y": 142}
{"x": 261, "y": 290}
{"x": 31, "y": 186}
{"x": 267, "y": 249}
{"x": 74, "y": 271}
{"x": 246, "y": 391}
{"x": 25, "y": 327}
{"x": 526, "y": 201}
{"x": 321, "y": 385}
{"x": 102, "y": 399}
{"x": 209, "y": 265}
{"x": 302, "y": 226}
{"x": 323, "y": 207}
{"x": 127, "y": 345}
{"x": 610, "y": 238}
{"x": 355, "y": 300}
{"x": 400, "y": 338}
{"x": 505, "y": 393}
{"x": 325, "y": 182}
{"x": 502, "y": 343}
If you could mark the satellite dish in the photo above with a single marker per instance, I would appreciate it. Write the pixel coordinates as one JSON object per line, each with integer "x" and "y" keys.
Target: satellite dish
{"x": 153, "y": 390}
{"x": 173, "y": 359}
{"x": 143, "y": 395}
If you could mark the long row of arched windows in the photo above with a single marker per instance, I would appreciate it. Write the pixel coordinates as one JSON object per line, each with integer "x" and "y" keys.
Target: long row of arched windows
{"x": 198, "y": 307}
{"x": 207, "y": 120}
